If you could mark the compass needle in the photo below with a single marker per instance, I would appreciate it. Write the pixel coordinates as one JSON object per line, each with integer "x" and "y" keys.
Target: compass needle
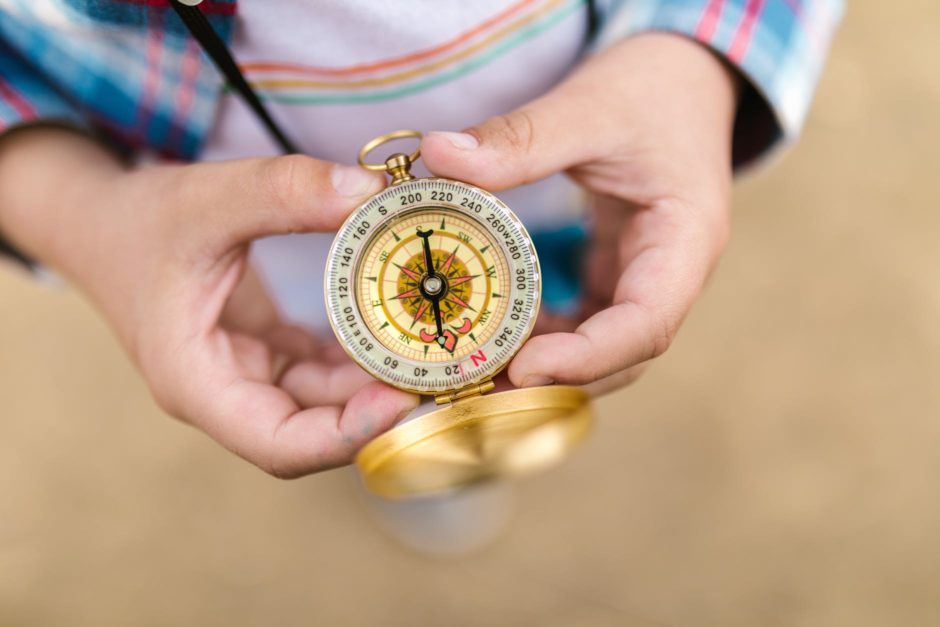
{"x": 433, "y": 285}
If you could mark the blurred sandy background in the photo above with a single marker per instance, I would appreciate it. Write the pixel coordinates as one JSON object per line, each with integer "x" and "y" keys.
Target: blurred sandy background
{"x": 779, "y": 466}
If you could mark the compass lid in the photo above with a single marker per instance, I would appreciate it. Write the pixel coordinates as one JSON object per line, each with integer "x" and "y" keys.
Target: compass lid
{"x": 475, "y": 439}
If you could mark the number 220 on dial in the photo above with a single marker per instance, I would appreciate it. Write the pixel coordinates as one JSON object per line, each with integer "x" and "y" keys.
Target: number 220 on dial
{"x": 432, "y": 285}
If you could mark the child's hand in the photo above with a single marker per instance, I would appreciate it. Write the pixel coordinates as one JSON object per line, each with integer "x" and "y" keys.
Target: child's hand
{"x": 645, "y": 125}
{"x": 162, "y": 251}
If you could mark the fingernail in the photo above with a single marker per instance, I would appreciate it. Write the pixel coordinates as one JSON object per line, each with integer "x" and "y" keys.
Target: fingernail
{"x": 461, "y": 141}
{"x": 351, "y": 181}
{"x": 536, "y": 380}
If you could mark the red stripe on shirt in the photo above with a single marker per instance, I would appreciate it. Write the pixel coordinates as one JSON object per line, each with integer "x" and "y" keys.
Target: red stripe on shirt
{"x": 16, "y": 101}
{"x": 742, "y": 37}
{"x": 151, "y": 83}
{"x": 708, "y": 23}
{"x": 184, "y": 97}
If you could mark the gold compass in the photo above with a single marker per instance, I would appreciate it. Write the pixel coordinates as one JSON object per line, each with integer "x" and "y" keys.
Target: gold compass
{"x": 432, "y": 286}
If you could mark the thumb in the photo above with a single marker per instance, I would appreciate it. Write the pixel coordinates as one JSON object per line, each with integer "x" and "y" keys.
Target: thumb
{"x": 251, "y": 198}
{"x": 508, "y": 150}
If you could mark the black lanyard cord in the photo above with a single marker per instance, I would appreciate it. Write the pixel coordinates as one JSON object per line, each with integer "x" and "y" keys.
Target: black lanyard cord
{"x": 200, "y": 28}
{"x": 593, "y": 20}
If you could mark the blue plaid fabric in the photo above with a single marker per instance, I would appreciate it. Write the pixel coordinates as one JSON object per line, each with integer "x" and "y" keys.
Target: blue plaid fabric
{"x": 128, "y": 68}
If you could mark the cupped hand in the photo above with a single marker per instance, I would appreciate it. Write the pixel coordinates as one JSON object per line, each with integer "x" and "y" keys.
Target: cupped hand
{"x": 646, "y": 127}
{"x": 163, "y": 253}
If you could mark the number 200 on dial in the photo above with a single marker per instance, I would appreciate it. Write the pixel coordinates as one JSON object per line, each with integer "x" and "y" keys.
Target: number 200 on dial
{"x": 432, "y": 285}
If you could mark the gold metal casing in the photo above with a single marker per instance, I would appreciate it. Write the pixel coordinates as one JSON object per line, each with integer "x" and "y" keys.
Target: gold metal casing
{"x": 476, "y": 439}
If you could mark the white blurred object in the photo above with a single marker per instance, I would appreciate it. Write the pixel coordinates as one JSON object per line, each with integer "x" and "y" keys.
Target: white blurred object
{"x": 451, "y": 524}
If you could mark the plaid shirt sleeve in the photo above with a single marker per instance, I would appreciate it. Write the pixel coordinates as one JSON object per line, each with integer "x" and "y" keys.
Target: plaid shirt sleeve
{"x": 778, "y": 46}
{"x": 25, "y": 96}
{"x": 126, "y": 68}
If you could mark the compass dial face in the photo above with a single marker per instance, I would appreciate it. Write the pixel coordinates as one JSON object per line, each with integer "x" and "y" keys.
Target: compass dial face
{"x": 432, "y": 285}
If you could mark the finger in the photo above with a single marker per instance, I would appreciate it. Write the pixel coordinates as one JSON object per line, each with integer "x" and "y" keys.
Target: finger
{"x": 673, "y": 256}
{"x": 610, "y": 341}
{"x": 292, "y": 341}
{"x": 321, "y": 438}
{"x": 616, "y": 381}
{"x": 263, "y": 425}
{"x": 331, "y": 352}
{"x": 553, "y": 323}
{"x": 508, "y": 150}
{"x": 538, "y": 139}
{"x": 262, "y": 360}
{"x": 314, "y": 383}
{"x": 251, "y": 310}
{"x": 220, "y": 383}
{"x": 287, "y": 357}
{"x": 237, "y": 201}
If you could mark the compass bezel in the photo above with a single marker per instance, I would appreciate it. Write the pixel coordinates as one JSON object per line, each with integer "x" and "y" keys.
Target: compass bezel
{"x": 355, "y": 237}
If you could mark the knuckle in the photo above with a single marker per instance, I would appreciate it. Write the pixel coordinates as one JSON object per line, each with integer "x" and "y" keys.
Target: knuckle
{"x": 274, "y": 468}
{"x": 516, "y": 129}
{"x": 661, "y": 330}
{"x": 664, "y": 332}
{"x": 271, "y": 458}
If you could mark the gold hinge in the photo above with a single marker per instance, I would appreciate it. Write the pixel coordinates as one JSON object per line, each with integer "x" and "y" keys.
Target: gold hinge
{"x": 474, "y": 389}
{"x": 399, "y": 167}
